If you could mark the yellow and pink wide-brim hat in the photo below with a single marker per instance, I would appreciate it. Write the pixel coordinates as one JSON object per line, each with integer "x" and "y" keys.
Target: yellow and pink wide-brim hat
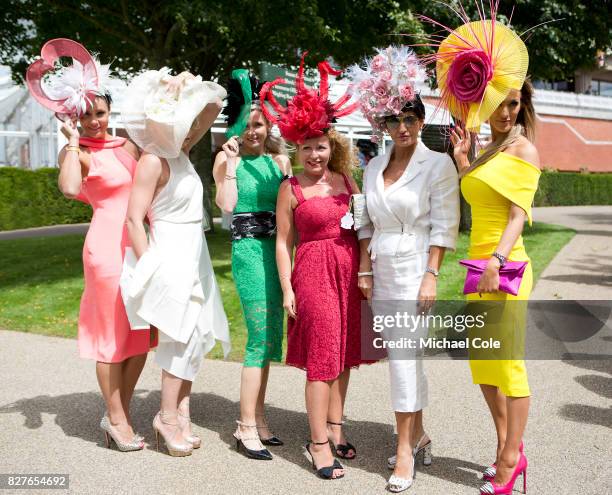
{"x": 477, "y": 65}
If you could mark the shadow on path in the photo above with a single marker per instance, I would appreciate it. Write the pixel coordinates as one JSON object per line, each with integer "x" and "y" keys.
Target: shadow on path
{"x": 598, "y": 384}
{"x": 78, "y": 415}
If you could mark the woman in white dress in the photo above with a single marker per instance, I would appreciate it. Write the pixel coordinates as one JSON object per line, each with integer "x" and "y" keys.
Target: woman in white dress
{"x": 412, "y": 199}
{"x": 168, "y": 279}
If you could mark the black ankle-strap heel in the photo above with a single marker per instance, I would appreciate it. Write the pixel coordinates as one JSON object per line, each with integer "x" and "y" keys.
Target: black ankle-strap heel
{"x": 327, "y": 472}
{"x": 342, "y": 449}
{"x": 261, "y": 455}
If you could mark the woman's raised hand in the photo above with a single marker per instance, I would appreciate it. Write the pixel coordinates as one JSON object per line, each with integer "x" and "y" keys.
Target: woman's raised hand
{"x": 462, "y": 143}
{"x": 231, "y": 147}
{"x": 176, "y": 83}
{"x": 69, "y": 129}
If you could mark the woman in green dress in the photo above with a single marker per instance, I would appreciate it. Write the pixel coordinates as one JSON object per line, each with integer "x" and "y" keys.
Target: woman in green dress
{"x": 248, "y": 173}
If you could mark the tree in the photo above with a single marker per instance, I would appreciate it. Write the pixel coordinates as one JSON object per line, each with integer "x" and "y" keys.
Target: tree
{"x": 211, "y": 37}
{"x": 556, "y": 49}
{"x": 207, "y": 37}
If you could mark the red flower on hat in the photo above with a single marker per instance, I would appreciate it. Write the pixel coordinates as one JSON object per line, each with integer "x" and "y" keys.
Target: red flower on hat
{"x": 309, "y": 113}
{"x": 469, "y": 75}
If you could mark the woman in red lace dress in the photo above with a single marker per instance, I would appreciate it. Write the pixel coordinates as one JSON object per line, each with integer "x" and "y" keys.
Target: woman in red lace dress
{"x": 321, "y": 295}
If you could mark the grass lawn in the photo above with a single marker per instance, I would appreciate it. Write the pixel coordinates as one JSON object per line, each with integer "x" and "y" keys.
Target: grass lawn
{"x": 41, "y": 279}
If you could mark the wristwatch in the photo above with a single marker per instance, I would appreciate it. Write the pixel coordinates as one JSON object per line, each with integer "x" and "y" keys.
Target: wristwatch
{"x": 502, "y": 259}
{"x": 433, "y": 271}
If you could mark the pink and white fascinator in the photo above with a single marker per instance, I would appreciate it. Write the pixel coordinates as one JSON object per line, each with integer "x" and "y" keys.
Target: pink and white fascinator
{"x": 385, "y": 83}
{"x": 67, "y": 90}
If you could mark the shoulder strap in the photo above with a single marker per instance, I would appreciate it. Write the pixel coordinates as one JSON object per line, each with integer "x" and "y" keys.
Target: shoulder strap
{"x": 347, "y": 183}
{"x": 297, "y": 190}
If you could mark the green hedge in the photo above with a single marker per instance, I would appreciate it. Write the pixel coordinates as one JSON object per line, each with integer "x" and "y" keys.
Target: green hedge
{"x": 31, "y": 199}
{"x": 570, "y": 189}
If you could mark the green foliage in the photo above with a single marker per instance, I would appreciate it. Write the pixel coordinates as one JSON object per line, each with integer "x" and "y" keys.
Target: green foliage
{"x": 208, "y": 37}
{"x": 358, "y": 176}
{"x": 31, "y": 199}
{"x": 570, "y": 189}
{"x": 41, "y": 280}
{"x": 556, "y": 49}
{"x": 211, "y": 37}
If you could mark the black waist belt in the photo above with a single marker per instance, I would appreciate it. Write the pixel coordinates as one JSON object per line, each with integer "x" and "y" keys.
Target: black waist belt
{"x": 253, "y": 224}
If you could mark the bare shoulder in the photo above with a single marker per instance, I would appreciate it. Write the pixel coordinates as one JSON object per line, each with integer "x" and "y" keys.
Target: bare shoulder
{"x": 285, "y": 188}
{"x": 525, "y": 150}
{"x": 150, "y": 164}
{"x": 132, "y": 149}
{"x": 283, "y": 163}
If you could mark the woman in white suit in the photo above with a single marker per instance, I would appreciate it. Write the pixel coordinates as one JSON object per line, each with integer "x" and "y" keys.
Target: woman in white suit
{"x": 413, "y": 202}
{"x": 412, "y": 196}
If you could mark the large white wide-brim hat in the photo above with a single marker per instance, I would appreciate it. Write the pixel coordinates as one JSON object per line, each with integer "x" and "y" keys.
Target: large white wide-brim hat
{"x": 157, "y": 121}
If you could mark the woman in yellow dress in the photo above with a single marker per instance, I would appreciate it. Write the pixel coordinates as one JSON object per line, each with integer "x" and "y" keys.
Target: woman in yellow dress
{"x": 481, "y": 69}
{"x": 500, "y": 186}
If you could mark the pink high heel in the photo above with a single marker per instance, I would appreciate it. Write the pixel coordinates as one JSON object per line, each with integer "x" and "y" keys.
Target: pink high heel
{"x": 491, "y": 471}
{"x": 490, "y": 488}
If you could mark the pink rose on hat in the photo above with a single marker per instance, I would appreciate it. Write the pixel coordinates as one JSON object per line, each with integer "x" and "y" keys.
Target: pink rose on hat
{"x": 395, "y": 104}
{"x": 406, "y": 91}
{"x": 469, "y": 74}
{"x": 379, "y": 63}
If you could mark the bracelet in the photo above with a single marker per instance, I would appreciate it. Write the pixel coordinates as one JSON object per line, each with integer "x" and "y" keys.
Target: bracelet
{"x": 73, "y": 148}
{"x": 230, "y": 177}
{"x": 502, "y": 259}
{"x": 433, "y": 271}
{"x": 365, "y": 274}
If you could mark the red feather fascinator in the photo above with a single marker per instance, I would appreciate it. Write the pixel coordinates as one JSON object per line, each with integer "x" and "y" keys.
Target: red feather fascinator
{"x": 309, "y": 113}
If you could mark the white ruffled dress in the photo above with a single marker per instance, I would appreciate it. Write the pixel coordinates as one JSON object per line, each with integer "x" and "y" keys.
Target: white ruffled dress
{"x": 172, "y": 286}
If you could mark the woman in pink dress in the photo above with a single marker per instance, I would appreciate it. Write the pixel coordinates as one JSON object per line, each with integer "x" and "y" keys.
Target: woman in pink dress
{"x": 97, "y": 168}
{"x": 320, "y": 295}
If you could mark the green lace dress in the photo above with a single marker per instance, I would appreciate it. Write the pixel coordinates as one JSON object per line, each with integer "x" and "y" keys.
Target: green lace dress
{"x": 254, "y": 263}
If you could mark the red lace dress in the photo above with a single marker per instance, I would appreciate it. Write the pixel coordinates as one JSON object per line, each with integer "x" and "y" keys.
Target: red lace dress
{"x": 325, "y": 339}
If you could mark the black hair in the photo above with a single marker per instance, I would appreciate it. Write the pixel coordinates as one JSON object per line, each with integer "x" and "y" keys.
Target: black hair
{"x": 415, "y": 106}
{"x": 107, "y": 98}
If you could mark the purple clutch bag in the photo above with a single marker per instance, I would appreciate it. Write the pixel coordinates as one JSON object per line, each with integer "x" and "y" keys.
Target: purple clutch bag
{"x": 510, "y": 276}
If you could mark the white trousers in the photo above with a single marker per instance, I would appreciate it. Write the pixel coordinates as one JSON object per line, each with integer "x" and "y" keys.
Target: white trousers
{"x": 397, "y": 280}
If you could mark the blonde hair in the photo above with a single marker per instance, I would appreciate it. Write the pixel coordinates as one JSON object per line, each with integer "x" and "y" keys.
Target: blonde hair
{"x": 273, "y": 145}
{"x": 343, "y": 158}
{"x": 524, "y": 126}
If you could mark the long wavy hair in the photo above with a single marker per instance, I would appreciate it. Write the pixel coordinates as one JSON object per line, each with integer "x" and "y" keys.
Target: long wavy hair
{"x": 343, "y": 158}
{"x": 524, "y": 126}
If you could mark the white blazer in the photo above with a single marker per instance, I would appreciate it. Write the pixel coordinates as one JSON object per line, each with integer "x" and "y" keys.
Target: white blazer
{"x": 420, "y": 210}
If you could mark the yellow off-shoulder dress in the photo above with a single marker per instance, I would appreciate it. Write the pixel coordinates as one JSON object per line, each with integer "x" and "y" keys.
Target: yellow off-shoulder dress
{"x": 490, "y": 189}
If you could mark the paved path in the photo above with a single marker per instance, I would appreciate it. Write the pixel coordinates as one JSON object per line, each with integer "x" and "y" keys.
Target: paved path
{"x": 50, "y": 407}
{"x": 55, "y": 230}
{"x": 583, "y": 267}
{"x": 50, "y": 231}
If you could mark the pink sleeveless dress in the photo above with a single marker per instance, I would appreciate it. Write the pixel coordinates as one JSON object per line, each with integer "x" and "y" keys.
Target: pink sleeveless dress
{"x": 325, "y": 339}
{"x": 104, "y": 331}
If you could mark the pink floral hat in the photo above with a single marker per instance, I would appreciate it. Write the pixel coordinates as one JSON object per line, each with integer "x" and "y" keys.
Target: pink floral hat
{"x": 385, "y": 83}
